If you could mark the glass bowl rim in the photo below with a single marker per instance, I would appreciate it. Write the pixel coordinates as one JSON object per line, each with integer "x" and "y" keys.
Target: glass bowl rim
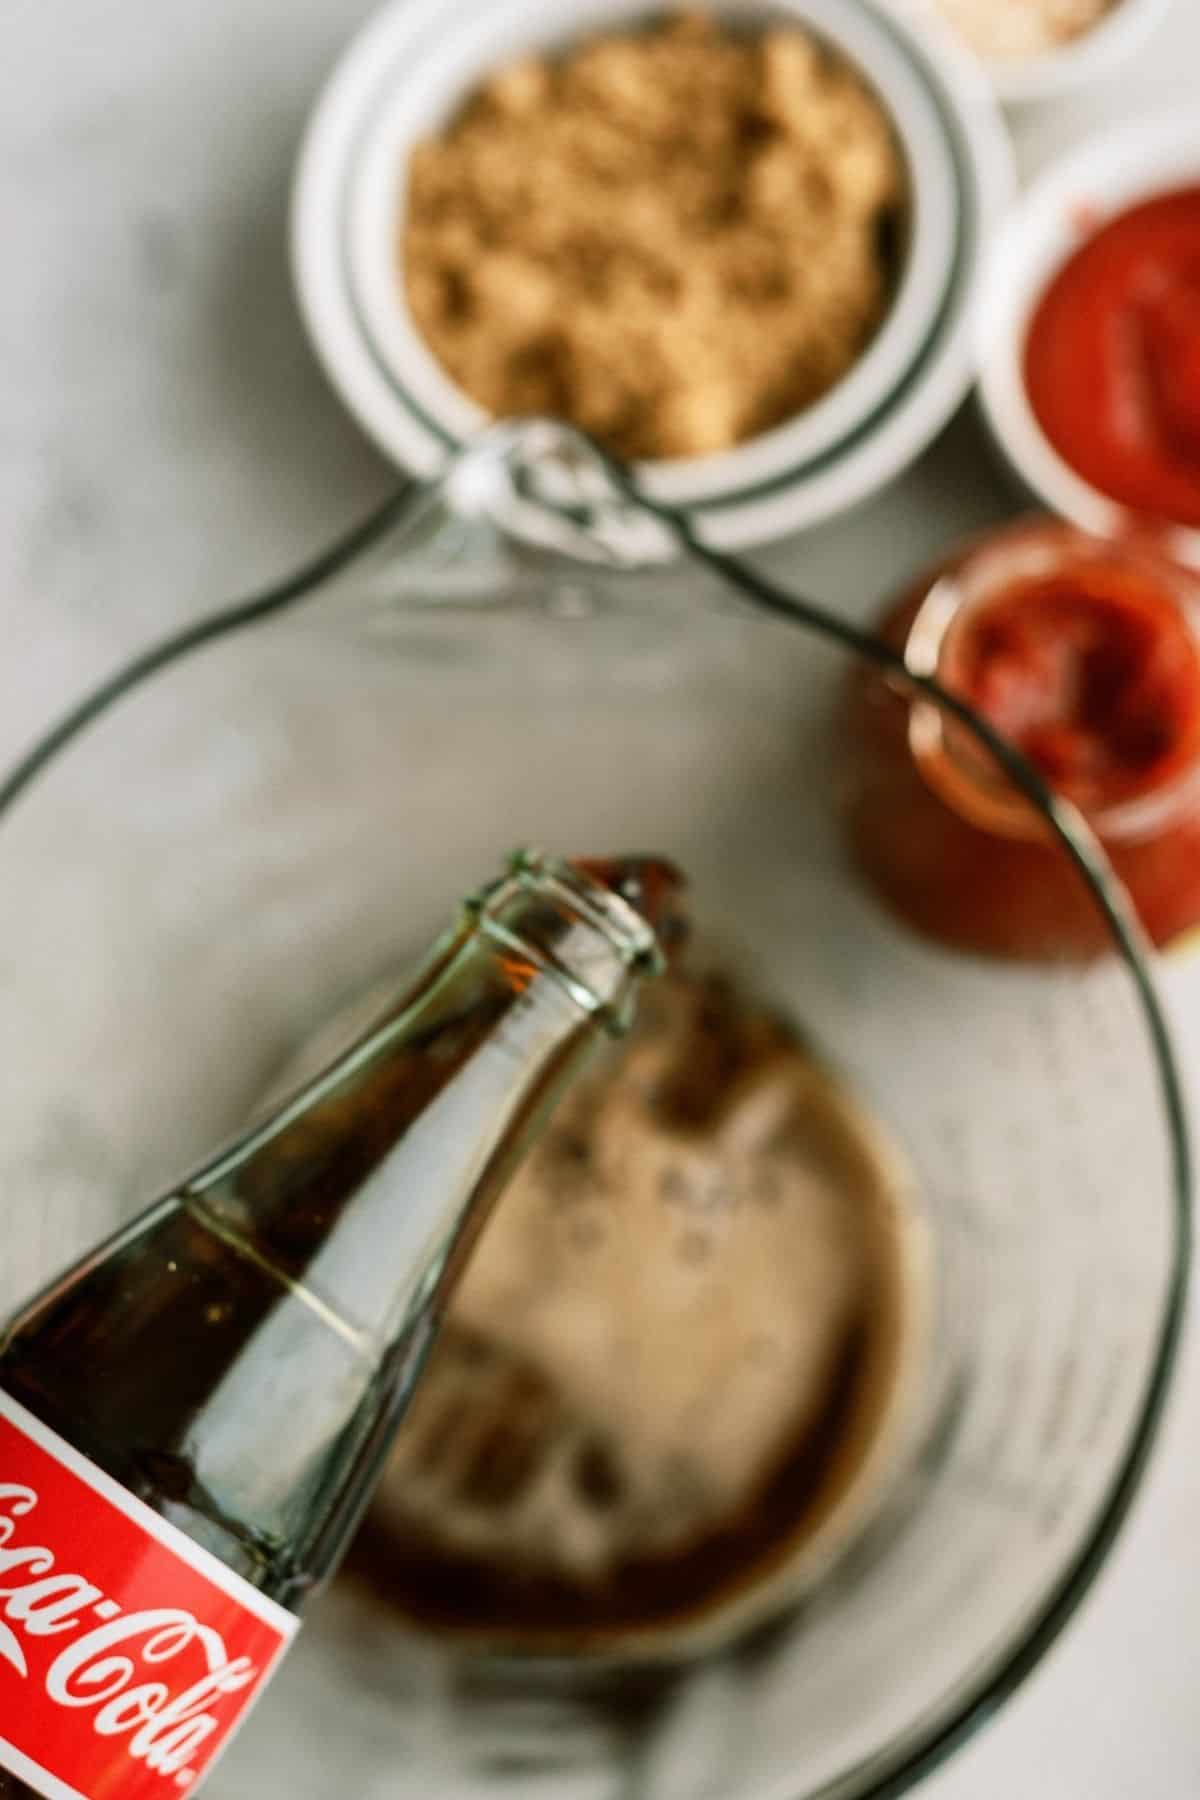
{"x": 928, "y": 1745}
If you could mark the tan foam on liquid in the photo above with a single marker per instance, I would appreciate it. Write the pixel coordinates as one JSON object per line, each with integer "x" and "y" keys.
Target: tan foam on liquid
{"x": 682, "y": 1361}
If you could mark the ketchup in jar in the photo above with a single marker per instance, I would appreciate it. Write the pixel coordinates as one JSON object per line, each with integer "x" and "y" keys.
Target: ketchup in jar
{"x": 1086, "y": 656}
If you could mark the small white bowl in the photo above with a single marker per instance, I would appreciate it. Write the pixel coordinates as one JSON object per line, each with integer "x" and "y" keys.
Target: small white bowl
{"x": 405, "y": 75}
{"x": 1090, "y": 57}
{"x": 1094, "y": 182}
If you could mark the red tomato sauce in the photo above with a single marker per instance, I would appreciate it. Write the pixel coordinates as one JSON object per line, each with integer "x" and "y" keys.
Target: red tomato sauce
{"x": 1112, "y": 360}
{"x": 1092, "y": 668}
{"x": 1091, "y": 671}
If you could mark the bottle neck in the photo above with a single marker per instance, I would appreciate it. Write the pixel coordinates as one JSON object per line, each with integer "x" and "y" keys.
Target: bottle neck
{"x": 368, "y": 1187}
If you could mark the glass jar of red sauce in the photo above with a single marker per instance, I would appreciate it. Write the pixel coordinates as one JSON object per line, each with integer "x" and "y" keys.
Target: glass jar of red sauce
{"x": 1085, "y": 655}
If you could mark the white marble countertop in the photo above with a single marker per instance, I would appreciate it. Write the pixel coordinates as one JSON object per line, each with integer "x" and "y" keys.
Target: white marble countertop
{"x": 167, "y": 442}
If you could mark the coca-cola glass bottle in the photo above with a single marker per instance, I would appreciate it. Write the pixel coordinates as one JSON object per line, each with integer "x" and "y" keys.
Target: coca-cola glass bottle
{"x": 191, "y": 1418}
{"x": 265, "y": 830}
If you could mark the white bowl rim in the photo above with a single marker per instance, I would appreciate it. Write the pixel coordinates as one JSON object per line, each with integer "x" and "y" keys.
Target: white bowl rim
{"x": 882, "y": 444}
{"x": 1098, "y": 179}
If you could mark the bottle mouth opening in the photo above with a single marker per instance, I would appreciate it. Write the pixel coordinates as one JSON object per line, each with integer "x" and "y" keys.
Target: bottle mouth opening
{"x": 651, "y": 885}
{"x": 959, "y": 768}
{"x": 595, "y": 920}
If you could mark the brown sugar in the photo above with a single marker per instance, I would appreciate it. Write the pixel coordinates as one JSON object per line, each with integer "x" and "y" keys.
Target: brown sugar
{"x": 675, "y": 239}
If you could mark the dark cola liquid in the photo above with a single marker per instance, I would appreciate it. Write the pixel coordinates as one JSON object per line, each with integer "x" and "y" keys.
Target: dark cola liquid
{"x": 132, "y": 1366}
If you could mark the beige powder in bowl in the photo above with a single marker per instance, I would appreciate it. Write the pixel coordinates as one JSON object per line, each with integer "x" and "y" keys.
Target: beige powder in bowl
{"x": 1011, "y": 29}
{"x": 674, "y": 239}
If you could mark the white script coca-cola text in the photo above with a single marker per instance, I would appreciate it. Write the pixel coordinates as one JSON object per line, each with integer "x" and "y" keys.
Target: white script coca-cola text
{"x": 111, "y": 1669}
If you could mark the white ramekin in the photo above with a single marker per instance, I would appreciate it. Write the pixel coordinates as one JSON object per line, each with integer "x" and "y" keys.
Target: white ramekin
{"x": 1097, "y": 180}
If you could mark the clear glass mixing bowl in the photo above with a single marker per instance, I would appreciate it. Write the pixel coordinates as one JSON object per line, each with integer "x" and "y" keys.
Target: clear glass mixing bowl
{"x": 215, "y": 858}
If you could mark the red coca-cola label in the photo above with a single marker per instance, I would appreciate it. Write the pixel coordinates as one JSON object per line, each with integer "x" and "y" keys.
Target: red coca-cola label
{"x": 128, "y": 1655}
